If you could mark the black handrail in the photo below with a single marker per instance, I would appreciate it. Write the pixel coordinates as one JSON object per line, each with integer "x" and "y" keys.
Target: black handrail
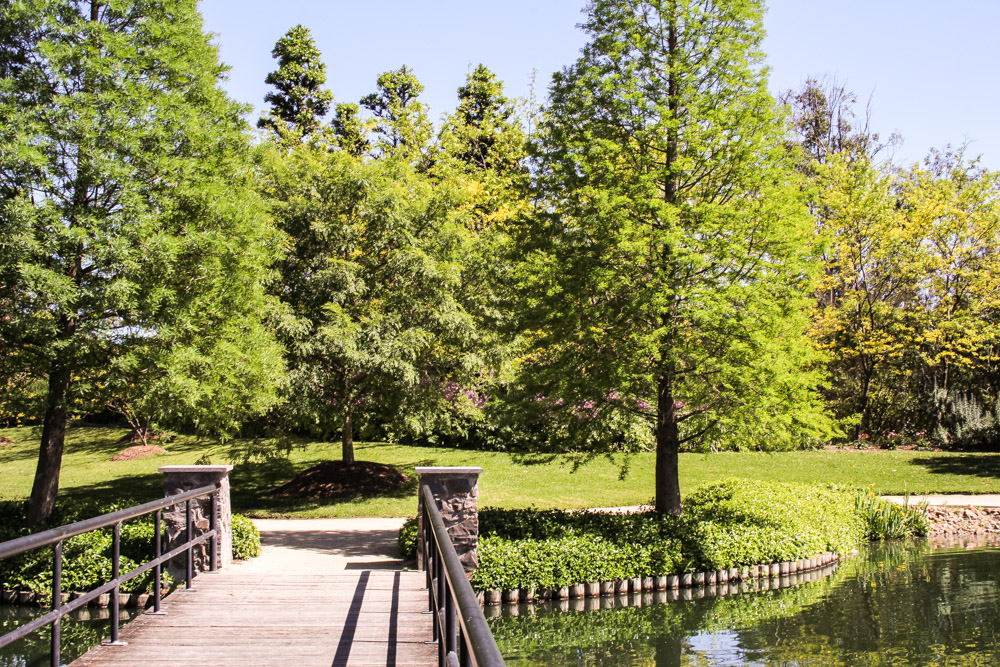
{"x": 56, "y": 536}
{"x": 463, "y": 636}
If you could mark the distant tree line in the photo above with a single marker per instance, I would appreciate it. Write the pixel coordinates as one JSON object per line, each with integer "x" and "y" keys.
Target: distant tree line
{"x": 671, "y": 259}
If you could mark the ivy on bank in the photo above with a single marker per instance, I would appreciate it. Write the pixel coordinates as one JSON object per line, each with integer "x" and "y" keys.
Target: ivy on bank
{"x": 727, "y": 524}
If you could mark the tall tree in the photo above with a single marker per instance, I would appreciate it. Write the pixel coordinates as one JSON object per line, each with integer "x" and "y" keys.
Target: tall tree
{"x": 669, "y": 262}
{"x": 350, "y": 130}
{"x": 299, "y": 100}
{"x": 401, "y": 124}
{"x": 372, "y": 278}
{"x": 134, "y": 245}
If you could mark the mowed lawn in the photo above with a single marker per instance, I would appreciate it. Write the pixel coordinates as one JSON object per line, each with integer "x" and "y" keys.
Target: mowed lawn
{"x": 508, "y": 480}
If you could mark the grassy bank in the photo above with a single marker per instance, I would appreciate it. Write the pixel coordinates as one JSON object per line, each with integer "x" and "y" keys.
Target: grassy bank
{"x": 508, "y": 480}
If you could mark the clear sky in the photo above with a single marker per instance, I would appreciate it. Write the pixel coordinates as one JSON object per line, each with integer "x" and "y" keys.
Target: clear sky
{"x": 931, "y": 69}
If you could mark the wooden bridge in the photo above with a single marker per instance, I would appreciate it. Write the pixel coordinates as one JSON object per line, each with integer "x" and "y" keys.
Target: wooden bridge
{"x": 351, "y": 618}
{"x": 318, "y": 595}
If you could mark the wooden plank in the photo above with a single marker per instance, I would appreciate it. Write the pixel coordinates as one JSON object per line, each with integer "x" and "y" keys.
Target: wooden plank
{"x": 351, "y": 619}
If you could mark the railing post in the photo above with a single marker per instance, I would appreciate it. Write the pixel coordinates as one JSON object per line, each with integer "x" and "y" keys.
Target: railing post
{"x": 177, "y": 479}
{"x": 114, "y": 607}
{"x": 188, "y": 536}
{"x": 456, "y": 490}
{"x": 56, "y": 603}
{"x": 157, "y": 569}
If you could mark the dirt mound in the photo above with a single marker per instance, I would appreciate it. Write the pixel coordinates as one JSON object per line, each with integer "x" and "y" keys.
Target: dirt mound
{"x": 5, "y": 441}
{"x": 138, "y": 452}
{"x": 336, "y": 479}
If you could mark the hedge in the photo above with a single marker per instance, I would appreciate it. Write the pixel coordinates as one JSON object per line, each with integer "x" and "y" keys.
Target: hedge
{"x": 732, "y": 523}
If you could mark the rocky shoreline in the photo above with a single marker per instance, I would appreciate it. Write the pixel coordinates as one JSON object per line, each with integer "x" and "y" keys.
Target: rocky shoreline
{"x": 947, "y": 521}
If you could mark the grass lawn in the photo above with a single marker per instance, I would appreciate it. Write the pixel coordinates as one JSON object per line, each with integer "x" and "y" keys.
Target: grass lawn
{"x": 507, "y": 481}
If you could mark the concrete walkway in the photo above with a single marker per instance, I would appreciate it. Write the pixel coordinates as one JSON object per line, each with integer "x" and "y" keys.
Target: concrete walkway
{"x": 949, "y": 500}
{"x": 298, "y": 546}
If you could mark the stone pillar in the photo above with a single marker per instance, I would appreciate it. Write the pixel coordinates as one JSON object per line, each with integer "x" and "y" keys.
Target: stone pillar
{"x": 457, "y": 493}
{"x": 177, "y": 479}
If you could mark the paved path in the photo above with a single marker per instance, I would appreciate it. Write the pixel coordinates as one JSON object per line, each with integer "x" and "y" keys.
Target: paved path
{"x": 950, "y": 500}
{"x": 326, "y": 545}
{"x": 323, "y": 592}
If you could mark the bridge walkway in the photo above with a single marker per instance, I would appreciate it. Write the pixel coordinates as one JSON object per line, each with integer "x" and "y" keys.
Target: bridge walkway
{"x": 323, "y": 592}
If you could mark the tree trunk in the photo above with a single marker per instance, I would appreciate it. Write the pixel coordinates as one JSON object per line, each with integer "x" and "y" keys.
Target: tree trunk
{"x": 348, "y": 439}
{"x": 46, "y": 485}
{"x": 668, "y": 490}
{"x": 668, "y": 652}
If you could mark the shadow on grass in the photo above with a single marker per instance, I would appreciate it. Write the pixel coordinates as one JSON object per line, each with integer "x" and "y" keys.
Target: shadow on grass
{"x": 980, "y": 465}
{"x": 252, "y": 483}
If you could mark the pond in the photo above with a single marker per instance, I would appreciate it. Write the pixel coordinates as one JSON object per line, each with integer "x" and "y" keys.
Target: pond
{"x": 903, "y": 603}
{"x": 80, "y": 630}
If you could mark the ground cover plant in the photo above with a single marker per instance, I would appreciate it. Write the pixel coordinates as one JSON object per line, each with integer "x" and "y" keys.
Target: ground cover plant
{"x": 508, "y": 481}
{"x": 87, "y": 557}
{"x": 732, "y": 523}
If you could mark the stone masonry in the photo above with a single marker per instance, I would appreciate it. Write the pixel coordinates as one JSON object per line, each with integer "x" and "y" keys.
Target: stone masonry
{"x": 183, "y": 478}
{"x": 457, "y": 493}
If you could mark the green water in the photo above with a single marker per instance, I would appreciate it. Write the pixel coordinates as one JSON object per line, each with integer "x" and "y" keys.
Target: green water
{"x": 80, "y": 630}
{"x": 895, "y": 604}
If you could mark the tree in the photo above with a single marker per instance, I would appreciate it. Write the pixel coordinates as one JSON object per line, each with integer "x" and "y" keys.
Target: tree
{"x": 401, "y": 124}
{"x": 134, "y": 247}
{"x": 910, "y": 297}
{"x": 671, "y": 256}
{"x": 350, "y": 130}
{"x": 872, "y": 265}
{"x": 378, "y": 336}
{"x": 299, "y": 102}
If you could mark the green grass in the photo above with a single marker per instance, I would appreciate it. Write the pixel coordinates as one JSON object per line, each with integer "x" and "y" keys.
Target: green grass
{"x": 507, "y": 481}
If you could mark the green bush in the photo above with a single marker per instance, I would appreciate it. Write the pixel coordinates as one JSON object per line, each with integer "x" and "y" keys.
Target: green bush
{"x": 726, "y": 524}
{"x": 743, "y": 522}
{"x": 246, "y": 538}
{"x": 407, "y": 539}
{"x": 87, "y": 558}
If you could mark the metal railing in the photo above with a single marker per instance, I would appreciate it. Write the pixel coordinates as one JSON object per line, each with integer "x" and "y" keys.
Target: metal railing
{"x": 56, "y": 536}
{"x": 463, "y": 637}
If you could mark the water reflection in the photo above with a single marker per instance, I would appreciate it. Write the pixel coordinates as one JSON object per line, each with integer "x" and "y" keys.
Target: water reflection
{"x": 81, "y": 629}
{"x": 902, "y": 603}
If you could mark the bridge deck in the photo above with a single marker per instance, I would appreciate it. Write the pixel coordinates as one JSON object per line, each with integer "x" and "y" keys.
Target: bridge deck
{"x": 352, "y": 618}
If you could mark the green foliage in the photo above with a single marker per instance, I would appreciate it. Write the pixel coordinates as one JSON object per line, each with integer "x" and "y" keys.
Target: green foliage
{"x": 885, "y": 520}
{"x": 86, "y": 557}
{"x": 134, "y": 248}
{"x": 740, "y": 522}
{"x": 669, "y": 262}
{"x": 246, "y": 538}
{"x": 732, "y": 523}
{"x": 299, "y": 102}
{"x": 401, "y": 126}
{"x": 376, "y": 326}
{"x": 407, "y": 540}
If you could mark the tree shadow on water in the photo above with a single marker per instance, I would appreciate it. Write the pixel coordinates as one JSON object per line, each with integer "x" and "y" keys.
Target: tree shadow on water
{"x": 979, "y": 465}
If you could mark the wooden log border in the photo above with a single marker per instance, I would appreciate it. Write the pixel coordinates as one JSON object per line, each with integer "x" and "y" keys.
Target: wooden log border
{"x": 683, "y": 585}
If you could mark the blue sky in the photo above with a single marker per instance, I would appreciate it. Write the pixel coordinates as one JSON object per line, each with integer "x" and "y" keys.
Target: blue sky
{"x": 931, "y": 71}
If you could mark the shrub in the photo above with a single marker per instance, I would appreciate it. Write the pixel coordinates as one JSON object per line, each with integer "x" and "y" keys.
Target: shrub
{"x": 246, "y": 538}
{"x": 885, "y": 520}
{"x": 87, "y": 557}
{"x": 744, "y": 522}
{"x": 407, "y": 539}
{"x": 726, "y": 524}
